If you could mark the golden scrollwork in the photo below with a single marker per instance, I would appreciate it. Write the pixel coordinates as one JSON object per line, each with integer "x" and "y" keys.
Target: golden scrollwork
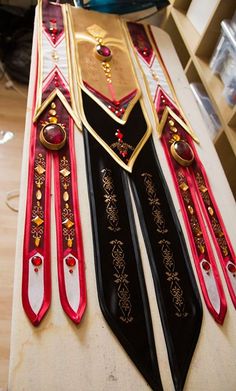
{"x": 154, "y": 203}
{"x": 173, "y": 278}
{"x": 67, "y": 214}
{"x": 121, "y": 280}
{"x": 110, "y": 200}
{"x": 37, "y": 217}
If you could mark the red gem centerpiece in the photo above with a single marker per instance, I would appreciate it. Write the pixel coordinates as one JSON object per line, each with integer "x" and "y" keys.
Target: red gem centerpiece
{"x": 36, "y": 260}
{"x": 53, "y": 136}
{"x": 182, "y": 152}
{"x": 70, "y": 261}
{"x": 231, "y": 268}
{"x": 103, "y": 52}
{"x": 206, "y": 266}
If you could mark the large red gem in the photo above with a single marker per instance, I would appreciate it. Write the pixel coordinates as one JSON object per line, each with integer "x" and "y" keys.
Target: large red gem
{"x": 53, "y": 134}
{"x": 184, "y": 150}
{"x": 103, "y": 50}
{"x": 36, "y": 261}
{"x": 70, "y": 261}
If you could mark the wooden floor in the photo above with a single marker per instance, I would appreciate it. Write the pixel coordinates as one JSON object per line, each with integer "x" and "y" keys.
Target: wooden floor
{"x": 12, "y": 118}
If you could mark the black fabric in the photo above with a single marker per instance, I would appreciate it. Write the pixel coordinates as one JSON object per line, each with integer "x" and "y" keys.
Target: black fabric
{"x": 181, "y": 323}
{"x": 176, "y": 291}
{"x": 135, "y": 335}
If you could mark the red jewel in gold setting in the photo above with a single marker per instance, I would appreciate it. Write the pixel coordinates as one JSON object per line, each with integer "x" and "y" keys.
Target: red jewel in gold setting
{"x": 103, "y": 52}
{"x": 182, "y": 153}
{"x": 52, "y": 134}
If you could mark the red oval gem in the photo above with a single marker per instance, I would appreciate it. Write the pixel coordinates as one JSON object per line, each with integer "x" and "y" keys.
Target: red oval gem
{"x": 231, "y": 268}
{"x": 70, "y": 261}
{"x": 103, "y": 50}
{"x": 53, "y": 134}
{"x": 206, "y": 266}
{"x": 184, "y": 150}
{"x": 36, "y": 261}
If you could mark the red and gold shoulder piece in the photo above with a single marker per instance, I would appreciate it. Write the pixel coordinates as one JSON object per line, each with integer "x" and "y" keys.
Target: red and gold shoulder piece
{"x": 104, "y": 66}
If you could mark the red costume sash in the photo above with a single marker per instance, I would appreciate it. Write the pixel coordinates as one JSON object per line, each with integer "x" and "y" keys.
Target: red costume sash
{"x": 52, "y": 154}
{"x": 193, "y": 189}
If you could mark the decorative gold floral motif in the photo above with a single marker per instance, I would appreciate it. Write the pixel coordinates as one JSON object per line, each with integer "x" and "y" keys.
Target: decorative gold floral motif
{"x": 154, "y": 203}
{"x": 219, "y": 234}
{"x": 67, "y": 213}
{"x": 121, "y": 280}
{"x": 110, "y": 200}
{"x": 172, "y": 275}
{"x": 173, "y": 278}
{"x": 37, "y": 219}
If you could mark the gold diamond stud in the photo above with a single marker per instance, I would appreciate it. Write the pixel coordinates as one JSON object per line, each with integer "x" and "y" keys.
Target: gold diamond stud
{"x": 39, "y": 169}
{"x": 68, "y": 223}
{"x": 184, "y": 186}
{"x": 65, "y": 172}
{"x": 38, "y": 221}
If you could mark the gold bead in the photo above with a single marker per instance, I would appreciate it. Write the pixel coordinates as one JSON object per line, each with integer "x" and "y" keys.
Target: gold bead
{"x": 171, "y": 122}
{"x": 53, "y": 105}
{"x": 53, "y": 120}
{"x": 52, "y": 112}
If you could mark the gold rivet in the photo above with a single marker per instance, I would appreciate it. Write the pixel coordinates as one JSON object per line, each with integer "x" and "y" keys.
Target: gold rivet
{"x": 65, "y": 196}
{"x": 183, "y": 186}
{"x": 210, "y": 210}
{"x": 176, "y": 137}
{"x": 203, "y": 189}
{"x": 53, "y": 105}
{"x": 191, "y": 210}
{"x": 171, "y": 122}
{"x": 38, "y": 195}
{"x": 52, "y": 112}
{"x": 53, "y": 120}
{"x": 67, "y": 206}
{"x": 173, "y": 129}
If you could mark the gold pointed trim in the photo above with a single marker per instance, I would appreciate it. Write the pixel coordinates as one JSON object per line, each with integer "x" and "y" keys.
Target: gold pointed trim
{"x": 122, "y": 45}
{"x": 169, "y": 111}
{"x": 128, "y": 167}
{"x": 50, "y": 98}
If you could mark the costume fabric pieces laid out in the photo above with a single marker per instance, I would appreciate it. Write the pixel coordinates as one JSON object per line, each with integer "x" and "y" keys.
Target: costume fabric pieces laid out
{"x": 52, "y": 154}
{"x": 86, "y": 54}
{"x": 191, "y": 183}
{"x": 121, "y": 156}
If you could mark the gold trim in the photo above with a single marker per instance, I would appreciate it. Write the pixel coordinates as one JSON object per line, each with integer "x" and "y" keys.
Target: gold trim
{"x": 121, "y": 44}
{"x": 137, "y": 64}
{"x": 147, "y": 134}
{"x": 171, "y": 86}
{"x": 164, "y": 117}
{"x": 179, "y": 159}
{"x": 70, "y": 61}
{"x": 49, "y": 99}
{"x": 40, "y": 57}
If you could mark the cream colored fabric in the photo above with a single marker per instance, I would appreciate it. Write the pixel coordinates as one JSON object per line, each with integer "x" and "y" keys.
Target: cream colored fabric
{"x": 58, "y": 355}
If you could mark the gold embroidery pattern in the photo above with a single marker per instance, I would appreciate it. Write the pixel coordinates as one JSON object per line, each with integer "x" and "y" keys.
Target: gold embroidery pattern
{"x": 167, "y": 255}
{"x": 110, "y": 200}
{"x": 154, "y": 203}
{"x": 37, "y": 228}
{"x": 67, "y": 213}
{"x": 214, "y": 220}
{"x": 193, "y": 220}
{"x": 173, "y": 277}
{"x": 121, "y": 279}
